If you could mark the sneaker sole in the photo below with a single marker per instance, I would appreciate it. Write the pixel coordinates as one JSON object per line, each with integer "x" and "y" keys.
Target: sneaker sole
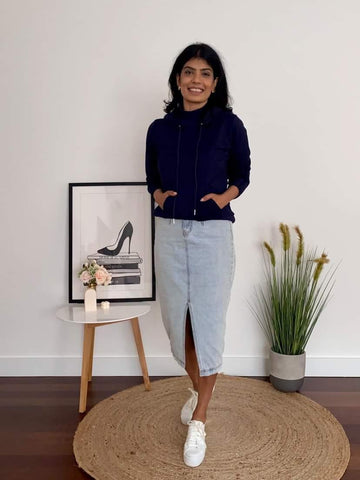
{"x": 193, "y": 462}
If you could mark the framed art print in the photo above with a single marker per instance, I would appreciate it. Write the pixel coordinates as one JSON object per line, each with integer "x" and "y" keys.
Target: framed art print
{"x": 112, "y": 223}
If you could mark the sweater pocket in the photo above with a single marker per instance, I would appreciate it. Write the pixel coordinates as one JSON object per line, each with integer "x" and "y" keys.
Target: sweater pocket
{"x": 210, "y": 210}
{"x": 168, "y": 207}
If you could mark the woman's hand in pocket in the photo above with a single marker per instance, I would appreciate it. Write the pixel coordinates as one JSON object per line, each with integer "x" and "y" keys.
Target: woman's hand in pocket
{"x": 219, "y": 199}
{"x": 222, "y": 199}
{"x": 160, "y": 196}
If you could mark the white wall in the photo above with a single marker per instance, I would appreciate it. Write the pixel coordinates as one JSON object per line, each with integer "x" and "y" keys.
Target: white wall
{"x": 80, "y": 82}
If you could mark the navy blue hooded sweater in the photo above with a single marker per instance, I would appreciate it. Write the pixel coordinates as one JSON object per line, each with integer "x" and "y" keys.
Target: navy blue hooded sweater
{"x": 195, "y": 153}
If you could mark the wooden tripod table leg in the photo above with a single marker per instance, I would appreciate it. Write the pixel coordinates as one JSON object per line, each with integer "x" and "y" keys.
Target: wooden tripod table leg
{"x": 141, "y": 353}
{"x": 92, "y": 341}
{"x": 89, "y": 332}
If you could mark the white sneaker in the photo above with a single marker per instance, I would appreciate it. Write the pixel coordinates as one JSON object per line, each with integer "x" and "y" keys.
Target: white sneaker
{"x": 189, "y": 407}
{"x": 195, "y": 446}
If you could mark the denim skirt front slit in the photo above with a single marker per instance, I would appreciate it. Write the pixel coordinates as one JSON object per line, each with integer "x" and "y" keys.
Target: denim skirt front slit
{"x": 194, "y": 266}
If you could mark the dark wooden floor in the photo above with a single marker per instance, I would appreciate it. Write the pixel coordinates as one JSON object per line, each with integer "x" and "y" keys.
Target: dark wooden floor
{"x": 38, "y": 417}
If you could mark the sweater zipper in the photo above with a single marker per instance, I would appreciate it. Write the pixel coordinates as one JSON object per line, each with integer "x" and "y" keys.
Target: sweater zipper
{"x": 177, "y": 169}
{"x": 195, "y": 168}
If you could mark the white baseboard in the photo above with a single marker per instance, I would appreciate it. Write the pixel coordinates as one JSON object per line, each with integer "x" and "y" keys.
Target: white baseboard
{"x": 166, "y": 365}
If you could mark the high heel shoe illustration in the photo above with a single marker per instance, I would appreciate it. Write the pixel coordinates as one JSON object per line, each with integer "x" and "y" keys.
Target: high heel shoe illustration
{"x": 126, "y": 231}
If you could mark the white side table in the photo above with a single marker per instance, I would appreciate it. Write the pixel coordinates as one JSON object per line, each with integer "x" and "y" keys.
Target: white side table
{"x": 91, "y": 320}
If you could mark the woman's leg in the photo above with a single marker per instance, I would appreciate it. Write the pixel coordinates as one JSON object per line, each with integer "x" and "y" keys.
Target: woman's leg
{"x": 203, "y": 385}
{"x": 206, "y": 386}
{"x": 191, "y": 364}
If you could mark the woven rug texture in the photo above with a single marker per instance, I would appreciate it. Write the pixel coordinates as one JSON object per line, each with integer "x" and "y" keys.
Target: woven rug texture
{"x": 253, "y": 432}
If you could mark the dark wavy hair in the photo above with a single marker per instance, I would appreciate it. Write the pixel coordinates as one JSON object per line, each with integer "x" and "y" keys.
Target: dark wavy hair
{"x": 220, "y": 98}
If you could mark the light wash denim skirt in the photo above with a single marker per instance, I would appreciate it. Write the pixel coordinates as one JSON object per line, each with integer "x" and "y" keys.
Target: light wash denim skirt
{"x": 194, "y": 267}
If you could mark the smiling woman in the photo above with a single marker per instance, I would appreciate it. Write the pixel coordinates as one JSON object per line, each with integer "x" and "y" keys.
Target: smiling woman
{"x": 197, "y": 161}
{"x": 196, "y": 83}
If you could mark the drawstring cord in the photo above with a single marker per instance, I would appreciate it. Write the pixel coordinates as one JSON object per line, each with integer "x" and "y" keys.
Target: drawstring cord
{"x": 177, "y": 169}
{"x": 195, "y": 168}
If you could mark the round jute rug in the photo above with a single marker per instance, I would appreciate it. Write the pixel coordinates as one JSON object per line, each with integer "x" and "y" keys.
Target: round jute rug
{"x": 253, "y": 431}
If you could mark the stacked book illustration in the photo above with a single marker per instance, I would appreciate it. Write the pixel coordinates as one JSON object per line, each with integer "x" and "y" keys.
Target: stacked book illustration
{"x": 123, "y": 265}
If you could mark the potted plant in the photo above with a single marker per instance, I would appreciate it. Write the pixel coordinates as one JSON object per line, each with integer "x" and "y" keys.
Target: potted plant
{"x": 288, "y": 305}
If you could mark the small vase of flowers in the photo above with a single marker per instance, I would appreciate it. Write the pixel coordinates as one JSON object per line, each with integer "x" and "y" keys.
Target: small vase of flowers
{"x": 92, "y": 275}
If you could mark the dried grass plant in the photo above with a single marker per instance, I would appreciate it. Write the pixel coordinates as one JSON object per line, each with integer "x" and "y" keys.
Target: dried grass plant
{"x": 294, "y": 294}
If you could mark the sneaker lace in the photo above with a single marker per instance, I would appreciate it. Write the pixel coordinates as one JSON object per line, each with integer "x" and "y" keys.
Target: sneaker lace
{"x": 196, "y": 435}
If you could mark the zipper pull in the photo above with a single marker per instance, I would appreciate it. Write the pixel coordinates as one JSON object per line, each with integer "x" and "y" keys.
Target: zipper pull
{"x": 194, "y": 212}
{"x": 173, "y": 221}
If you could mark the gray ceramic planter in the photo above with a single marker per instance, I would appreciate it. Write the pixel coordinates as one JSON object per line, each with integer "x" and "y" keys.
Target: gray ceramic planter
{"x": 287, "y": 372}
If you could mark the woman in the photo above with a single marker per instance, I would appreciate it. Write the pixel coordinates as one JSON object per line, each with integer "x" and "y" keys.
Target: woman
{"x": 197, "y": 161}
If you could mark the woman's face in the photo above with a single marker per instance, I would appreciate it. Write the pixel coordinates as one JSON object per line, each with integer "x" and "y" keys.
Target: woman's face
{"x": 196, "y": 82}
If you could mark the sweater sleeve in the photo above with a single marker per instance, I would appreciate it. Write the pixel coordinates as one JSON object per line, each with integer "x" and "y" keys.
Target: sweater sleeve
{"x": 152, "y": 173}
{"x": 239, "y": 161}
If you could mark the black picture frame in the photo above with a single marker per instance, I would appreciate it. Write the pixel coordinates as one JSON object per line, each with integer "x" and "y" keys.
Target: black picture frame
{"x": 112, "y": 223}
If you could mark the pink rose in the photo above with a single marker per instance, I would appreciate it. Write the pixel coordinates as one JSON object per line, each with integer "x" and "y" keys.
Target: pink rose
{"x": 100, "y": 276}
{"x": 85, "y": 277}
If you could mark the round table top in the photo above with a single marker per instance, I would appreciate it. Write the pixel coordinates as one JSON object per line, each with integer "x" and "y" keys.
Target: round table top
{"x": 113, "y": 314}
